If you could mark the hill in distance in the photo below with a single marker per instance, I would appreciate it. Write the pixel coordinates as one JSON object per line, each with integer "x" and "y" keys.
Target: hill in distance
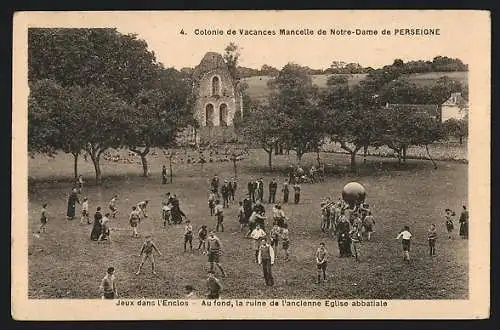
{"x": 258, "y": 90}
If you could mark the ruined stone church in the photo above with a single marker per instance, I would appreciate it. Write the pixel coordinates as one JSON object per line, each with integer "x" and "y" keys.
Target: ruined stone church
{"x": 217, "y": 100}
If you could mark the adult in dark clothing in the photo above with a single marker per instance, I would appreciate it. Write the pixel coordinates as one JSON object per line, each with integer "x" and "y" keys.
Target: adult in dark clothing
{"x": 96, "y": 228}
{"x": 260, "y": 190}
{"x": 72, "y": 200}
{"x": 286, "y": 192}
{"x": 163, "y": 175}
{"x": 224, "y": 190}
{"x": 464, "y": 223}
{"x": 343, "y": 238}
{"x": 247, "y": 208}
{"x": 273, "y": 187}
{"x": 232, "y": 189}
{"x": 251, "y": 190}
{"x": 176, "y": 211}
{"x": 214, "y": 185}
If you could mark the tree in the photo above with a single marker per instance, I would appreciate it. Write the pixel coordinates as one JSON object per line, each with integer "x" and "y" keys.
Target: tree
{"x": 105, "y": 121}
{"x": 231, "y": 57}
{"x": 456, "y": 128}
{"x": 268, "y": 70}
{"x": 265, "y": 127}
{"x": 98, "y": 56}
{"x": 61, "y": 127}
{"x": 295, "y": 96}
{"x": 159, "y": 115}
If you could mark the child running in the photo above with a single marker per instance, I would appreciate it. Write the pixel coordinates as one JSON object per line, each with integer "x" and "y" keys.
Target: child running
{"x": 112, "y": 206}
{"x": 321, "y": 261}
{"x": 202, "y": 237}
{"x": 431, "y": 237}
{"x": 142, "y": 206}
{"x": 85, "y": 212}
{"x": 188, "y": 235}
{"x": 406, "y": 236}
{"x": 147, "y": 253}
{"x": 134, "y": 220}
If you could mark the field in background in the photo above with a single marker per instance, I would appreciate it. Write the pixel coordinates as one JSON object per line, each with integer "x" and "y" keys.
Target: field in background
{"x": 257, "y": 86}
{"x": 64, "y": 263}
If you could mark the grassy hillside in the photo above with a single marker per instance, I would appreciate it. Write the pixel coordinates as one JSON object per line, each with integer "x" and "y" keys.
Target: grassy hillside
{"x": 257, "y": 86}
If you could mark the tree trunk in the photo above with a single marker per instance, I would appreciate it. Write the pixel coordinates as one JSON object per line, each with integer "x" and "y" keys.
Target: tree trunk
{"x": 170, "y": 168}
{"x": 317, "y": 158}
{"x": 353, "y": 161}
{"x": 365, "y": 152}
{"x": 235, "y": 170}
{"x": 460, "y": 139}
{"x": 97, "y": 167}
{"x": 429, "y": 154}
{"x": 144, "y": 161}
{"x": 269, "y": 158}
{"x": 75, "y": 164}
{"x": 405, "y": 147}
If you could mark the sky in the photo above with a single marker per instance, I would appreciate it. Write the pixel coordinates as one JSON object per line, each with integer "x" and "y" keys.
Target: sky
{"x": 460, "y": 32}
{"x": 162, "y": 33}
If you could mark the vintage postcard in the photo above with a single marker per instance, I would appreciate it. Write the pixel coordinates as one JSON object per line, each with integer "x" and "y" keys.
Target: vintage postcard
{"x": 251, "y": 165}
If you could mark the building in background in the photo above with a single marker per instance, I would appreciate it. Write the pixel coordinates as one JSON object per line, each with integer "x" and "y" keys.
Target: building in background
{"x": 455, "y": 107}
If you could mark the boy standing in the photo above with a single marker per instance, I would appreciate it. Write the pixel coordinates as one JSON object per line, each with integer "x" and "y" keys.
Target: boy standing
{"x": 104, "y": 228}
{"x": 134, "y": 220}
{"x": 275, "y": 234}
{"x": 368, "y": 224}
{"x": 296, "y": 191}
{"x": 285, "y": 238}
{"x": 431, "y": 237}
{"x": 214, "y": 248}
{"x": 449, "y": 214}
{"x": 321, "y": 261}
{"x": 406, "y": 236}
{"x": 273, "y": 187}
{"x": 188, "y": 235}
{"x": 202, "y": 237}
{"x": 85, "y": 212}
{"x": 44, "y": 216}
{"x": 266, "y": 259}
{"x": 219, "y": 214}
{"x": 224, "y": 190}
{"x": 257, "y": 234}
{"x": 147, "y": 253}
{"x": 211, "y": 202}
{"x": 165, "y": 213}
{"x": 108, "y": 285}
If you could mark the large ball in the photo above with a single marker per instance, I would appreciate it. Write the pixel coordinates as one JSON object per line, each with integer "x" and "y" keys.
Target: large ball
{"x": 353, "y": 193}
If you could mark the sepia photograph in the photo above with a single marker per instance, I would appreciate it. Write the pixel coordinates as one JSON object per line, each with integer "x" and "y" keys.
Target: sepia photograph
{"x": 238, "y": 160}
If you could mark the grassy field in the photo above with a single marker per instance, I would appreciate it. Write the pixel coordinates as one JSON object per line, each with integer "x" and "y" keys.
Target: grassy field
{"x": 64, "y": 263}
{"x": 257, "y": 86}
